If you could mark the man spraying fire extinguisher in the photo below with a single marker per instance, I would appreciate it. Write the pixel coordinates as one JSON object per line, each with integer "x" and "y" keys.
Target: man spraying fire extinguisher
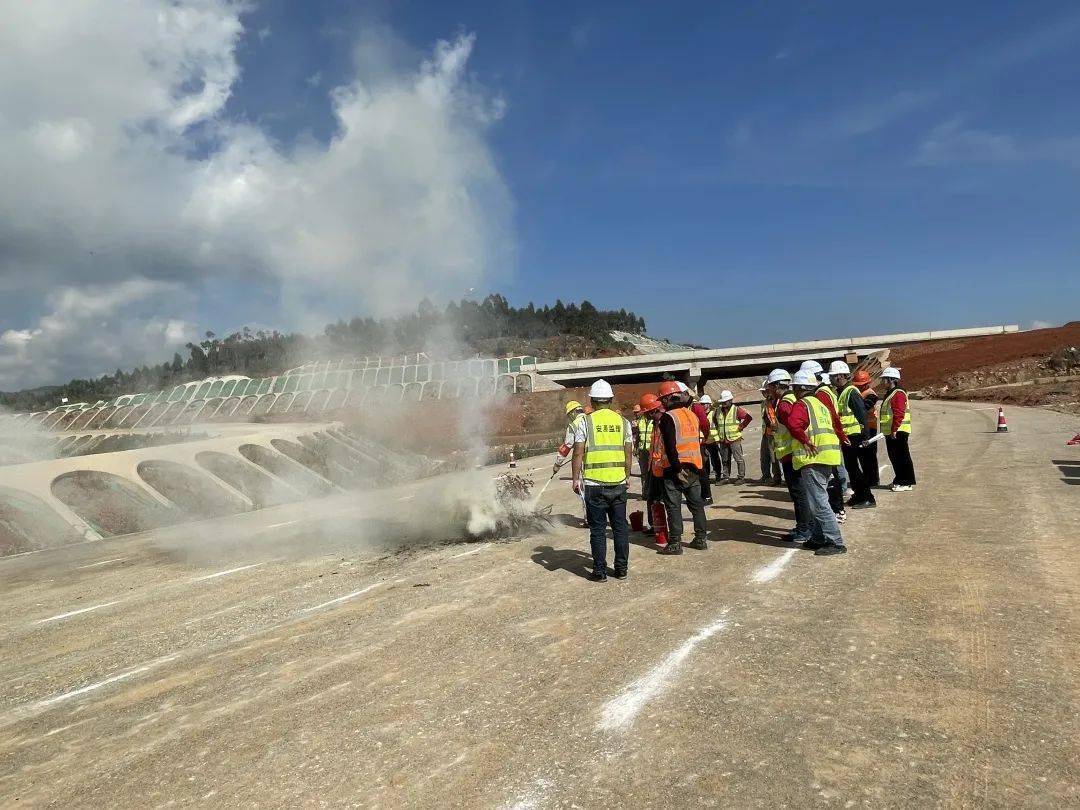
{"x": 574, "y": 411}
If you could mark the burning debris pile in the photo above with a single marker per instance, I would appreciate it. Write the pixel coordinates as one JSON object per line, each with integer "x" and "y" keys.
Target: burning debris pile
{"x": 508, "y": 510}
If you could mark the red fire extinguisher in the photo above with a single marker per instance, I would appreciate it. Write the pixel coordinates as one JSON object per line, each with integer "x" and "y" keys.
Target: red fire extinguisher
{"x": 659, "y": 521}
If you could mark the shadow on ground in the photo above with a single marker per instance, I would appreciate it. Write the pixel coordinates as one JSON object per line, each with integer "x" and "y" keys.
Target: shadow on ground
{"x": 570, "y": 560}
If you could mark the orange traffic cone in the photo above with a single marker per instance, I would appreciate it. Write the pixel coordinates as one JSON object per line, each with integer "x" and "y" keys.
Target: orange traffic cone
{"x": 1002, "y": 426}
{"x": 513, "y": 461}
{"x": 1074, "y": 440}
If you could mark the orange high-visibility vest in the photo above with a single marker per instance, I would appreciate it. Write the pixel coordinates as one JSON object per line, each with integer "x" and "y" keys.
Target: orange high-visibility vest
{"x": 687, "y": 441}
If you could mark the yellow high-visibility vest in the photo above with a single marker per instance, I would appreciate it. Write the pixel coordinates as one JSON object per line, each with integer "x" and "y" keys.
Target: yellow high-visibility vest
{"x": 821, "y": 433}
{"x": 847, "y": 416}
{"x": 885, "y": 419}
{"x": 605, "y": 450}
{"x": 782, "y": 440}
{"x": 714, "y": 437}
{"x": 727, "y": 425}
{"x": 828, "y": 389}
{"x": 644, "y": 434}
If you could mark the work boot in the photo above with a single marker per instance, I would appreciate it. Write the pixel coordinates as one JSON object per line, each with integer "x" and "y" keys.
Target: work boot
{"x": 598, "y": 576}
{"x": 700, "y": 545}
{"x": 830, "y": 549}
{"x": 673, "y": 547}
{"x": 621, "y": 573}
{"x": 738, "y": 481}
{"x": 778, "y": 482}
{"x": 870, "y": 503}
{"x": 813, "y": 545}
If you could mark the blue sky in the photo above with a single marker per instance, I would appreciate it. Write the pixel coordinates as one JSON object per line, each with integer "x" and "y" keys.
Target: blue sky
{"x": 736, "y": 173}
{"x": 905, "y": 168}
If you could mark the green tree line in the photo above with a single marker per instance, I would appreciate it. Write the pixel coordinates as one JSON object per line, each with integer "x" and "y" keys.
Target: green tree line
{"x": 263, "y": 354}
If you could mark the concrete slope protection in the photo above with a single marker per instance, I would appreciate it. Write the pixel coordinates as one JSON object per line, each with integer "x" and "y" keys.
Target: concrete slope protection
{"x": 934, "y": 664}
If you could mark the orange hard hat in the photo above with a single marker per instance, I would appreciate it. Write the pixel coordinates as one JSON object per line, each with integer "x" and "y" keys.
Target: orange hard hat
{"x": 668, "y": 388}
{"x": 861, "y": 378}
{"x": 649, "y": 402}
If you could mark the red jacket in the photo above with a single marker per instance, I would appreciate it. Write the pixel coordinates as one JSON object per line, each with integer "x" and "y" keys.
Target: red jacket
{"x": 899, "y": 408}
{"x": 783, "y": 415}
{"x": 799, "y": 420}
{"x": 702, "y": 417}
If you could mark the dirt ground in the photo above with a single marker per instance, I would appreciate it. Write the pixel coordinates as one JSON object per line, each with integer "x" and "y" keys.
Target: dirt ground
{"x": 932, "y": 665}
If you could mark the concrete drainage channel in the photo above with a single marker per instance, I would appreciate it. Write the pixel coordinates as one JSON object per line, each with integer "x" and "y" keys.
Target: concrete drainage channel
{"x": 47, "y": 504}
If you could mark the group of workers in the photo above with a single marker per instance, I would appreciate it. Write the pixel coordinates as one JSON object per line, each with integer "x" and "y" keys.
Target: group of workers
{"x": 819, "y": 438}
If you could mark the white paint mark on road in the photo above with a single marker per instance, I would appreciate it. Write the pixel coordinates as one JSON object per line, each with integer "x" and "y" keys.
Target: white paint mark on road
{"x": 279, "y": 525}
{"x": 123, "y": 676}
{"x": 619, "y": 712}
{"x": 767, "y": 573}
{"x": 476, "y": 550}
{"x": 406, "y": 498}
{"x": 103, "y": 562}
{"x": 348, "y": 596}
{"x": 61, "y": 616}
{"x": 226, "y": 573}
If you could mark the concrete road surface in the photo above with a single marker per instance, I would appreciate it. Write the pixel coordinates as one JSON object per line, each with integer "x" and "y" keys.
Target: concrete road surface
{"x": 935, "y": 664}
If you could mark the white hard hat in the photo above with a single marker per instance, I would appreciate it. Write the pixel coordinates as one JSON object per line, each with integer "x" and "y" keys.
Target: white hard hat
{"x": 839, "y": 367}
{"x": 764, "y": 385}
{"x": 601, "y": 390}
{"x": 825, "y": 379}
{"x": 726, "y": 396}
{"x": 778, "y": 375}
{"x": 706, "y": 399}
{"x": 813, "y": 366}
{"x": 682, "y": 387}
{"x": 805, "y": 377}
{"x": 891, "y": 373}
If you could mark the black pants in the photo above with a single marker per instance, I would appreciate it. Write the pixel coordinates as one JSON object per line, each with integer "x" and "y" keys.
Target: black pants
{"x": 703, "y": 476}
{"x": 643, "y": 465}
{"x": 674, "y": 493}
{"x": 836, "y": 495}
{"x": 900, "y": 458}
{"x": 712, "y": 458}
{"x": 791, "y": 478}
{"x": 604, "y": 505}
{"x": 853, "y": 461}
{"x": 868, "y": 461}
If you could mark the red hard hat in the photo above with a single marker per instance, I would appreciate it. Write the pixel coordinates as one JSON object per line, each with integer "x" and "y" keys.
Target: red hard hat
{"x": 649, "y": 402}
{"x": 861, "y": 378}
{"x": 668, "y": 388}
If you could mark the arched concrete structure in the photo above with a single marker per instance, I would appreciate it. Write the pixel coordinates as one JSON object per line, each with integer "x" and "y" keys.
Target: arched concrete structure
{"x": 291, "y": 472}
{"x": 258, "y": 486}
{"x": 191, "y": 491}
{"x": 27, "y": 523}
{"x": 112, "y": 504}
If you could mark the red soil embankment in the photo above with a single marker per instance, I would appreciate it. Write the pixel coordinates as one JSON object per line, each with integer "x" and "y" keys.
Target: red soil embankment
{"x": 936, "y": 362}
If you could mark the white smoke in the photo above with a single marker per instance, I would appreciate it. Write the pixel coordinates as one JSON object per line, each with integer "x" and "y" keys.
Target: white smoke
{"x": 122, "y": 164}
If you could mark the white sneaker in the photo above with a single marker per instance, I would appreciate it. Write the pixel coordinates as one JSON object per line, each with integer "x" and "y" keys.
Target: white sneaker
{"x": 901, "y": 488}
{"x": 841, "y": 517}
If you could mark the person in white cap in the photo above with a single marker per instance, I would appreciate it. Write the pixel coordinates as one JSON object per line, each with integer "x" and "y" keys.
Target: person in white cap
{"x": 895, "y": 423}
{"x": 840, "y": 481}
{"x": 851, "y": 408}
{"x": 730, "y": 421}
{"x": 770, "y": 465}
{"x": 779, "y": 384}
{"x": 603, "y": 456}
{"x": 815, "y": 447}
{"x": 710, "y": 455}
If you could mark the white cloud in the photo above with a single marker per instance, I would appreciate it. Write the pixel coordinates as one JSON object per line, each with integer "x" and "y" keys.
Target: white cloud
{"x": 951, "y": 142}
{"x": 121, "y": 166}
{"x": 96, "y": 326}
{"x": 1041, "y": 325}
